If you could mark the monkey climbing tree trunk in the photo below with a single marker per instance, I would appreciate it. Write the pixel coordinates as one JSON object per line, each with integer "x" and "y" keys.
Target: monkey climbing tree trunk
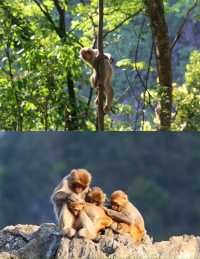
{"x": 155, "y": 11}
{"x": 100, "y": 113}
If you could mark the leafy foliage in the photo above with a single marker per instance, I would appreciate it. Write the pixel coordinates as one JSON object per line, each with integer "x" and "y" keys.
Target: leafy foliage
{"x": 44, "y": 84}
{"x": 187, "y": 97}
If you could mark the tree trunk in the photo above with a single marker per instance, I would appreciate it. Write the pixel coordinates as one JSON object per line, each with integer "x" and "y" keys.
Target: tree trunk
{"x": 155, "y": 10}
{"x": 100, "y": 70}
{"x": 73, "y": 121}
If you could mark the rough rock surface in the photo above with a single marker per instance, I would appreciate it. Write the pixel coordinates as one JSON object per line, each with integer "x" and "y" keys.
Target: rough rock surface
{"x": 44, "y": 242}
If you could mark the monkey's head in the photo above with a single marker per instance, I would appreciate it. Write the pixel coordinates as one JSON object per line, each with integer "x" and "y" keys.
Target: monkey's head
{"x": 75, "y": 204}
{"x": 96, "y": 196}
{"x": 76, "y": 207}
{"x": 88, "y": 54}
{"x": 79, "y": 180}
{"x": 119, "y": 200}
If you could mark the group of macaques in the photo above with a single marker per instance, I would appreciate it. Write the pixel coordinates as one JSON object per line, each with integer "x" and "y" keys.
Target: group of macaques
{"x": 81, "y": 211}
{"x": 91, "y": 56}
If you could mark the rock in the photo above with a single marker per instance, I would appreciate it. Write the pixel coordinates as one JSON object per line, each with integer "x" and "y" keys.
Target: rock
{"x": 179, "y": 247}
{"x": 15, "y": 237}
{"x": 43, "y": 245}
{"x": 5, "y": 255}
{"x": 45, "y": 242}
{"x": 116, "y": 246}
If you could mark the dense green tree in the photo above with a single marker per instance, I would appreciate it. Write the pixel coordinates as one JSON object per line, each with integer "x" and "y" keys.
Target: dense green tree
{"x": 44, "y": 84}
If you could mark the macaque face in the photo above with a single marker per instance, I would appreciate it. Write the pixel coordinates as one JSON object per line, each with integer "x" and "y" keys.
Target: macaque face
{"x": 87, "y": 54}
{"x": 115, "y": 206}
{"x": 77, "y": 188}
{"x": 79, "y": 180}
{"x": 96, "y": 202}
{"x": 96, "y": 196}
{"x": 119, "y": 200}
{"x": 76, "y": 208}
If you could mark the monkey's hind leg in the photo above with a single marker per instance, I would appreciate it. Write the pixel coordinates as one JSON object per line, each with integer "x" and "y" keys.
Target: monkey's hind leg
{"x": 88, "y": 230}
{"x": 66, "y": 221}
{"x": 93, "y": 81}
{"x": 137, "y": 234}
{"x": 120, "y": 228}
{"x": 109, "y": 97}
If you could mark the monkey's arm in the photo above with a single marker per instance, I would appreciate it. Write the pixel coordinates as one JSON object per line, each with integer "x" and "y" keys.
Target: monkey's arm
{"x": 61, "y": 192}
{"x": 60, "y": 195}
{"x": 119, "y": 216}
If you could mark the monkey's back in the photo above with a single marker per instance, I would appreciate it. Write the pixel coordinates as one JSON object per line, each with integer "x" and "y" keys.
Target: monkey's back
{"x": 97, "y": 214}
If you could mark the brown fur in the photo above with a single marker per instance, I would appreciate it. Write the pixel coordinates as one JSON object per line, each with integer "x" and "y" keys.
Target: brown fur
{"x": 127, "y": 219}
{"x": 89, "y": 219}
{"x": 91, "y": 56}
{"x": 80, "y": 176}
{"x": 96, "y": 196}
{"x": 62, "y": 193}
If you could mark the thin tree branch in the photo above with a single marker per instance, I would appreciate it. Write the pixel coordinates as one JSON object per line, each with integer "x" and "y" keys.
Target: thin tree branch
{"x": 149, "y": 65}
{"x": 181, "y": 28}
{"x": 94, "y": 46}
{"x": 122, "y": 22}
{"x": 18, "y": 104}
{"x": 136, "y": 58}
{"x": 45, "y": 11}
{"x": 61, "y": 12}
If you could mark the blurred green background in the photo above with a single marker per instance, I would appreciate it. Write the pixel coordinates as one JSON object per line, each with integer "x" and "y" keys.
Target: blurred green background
{"x": 159, "y": 171}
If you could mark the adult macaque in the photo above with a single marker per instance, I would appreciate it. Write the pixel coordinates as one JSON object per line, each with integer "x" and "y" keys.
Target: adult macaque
{"x": 89, "y": 219}
{"x": 76, "y": 182}
{"x": 127, "y": 219}
{"x": 92, "y": 57}
{"x": 96, "y": 196}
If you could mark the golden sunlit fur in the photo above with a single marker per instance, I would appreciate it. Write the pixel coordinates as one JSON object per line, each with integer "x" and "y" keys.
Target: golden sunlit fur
{"x": 91, "y": 56}
{"x": 89, "y": 219}
{"x": 96, "y": 196}
{"x": 77, "y": 182}
{"x": 126, "y": 217}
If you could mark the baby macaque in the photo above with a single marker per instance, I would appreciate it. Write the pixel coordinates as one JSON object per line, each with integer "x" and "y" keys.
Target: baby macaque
{"x": 126, "y": 217}
{"x": 96, "y": 196}
{"x": 76, "y": 182}
{"x": 89, "y": 219}
{"x": 91, "y": 56}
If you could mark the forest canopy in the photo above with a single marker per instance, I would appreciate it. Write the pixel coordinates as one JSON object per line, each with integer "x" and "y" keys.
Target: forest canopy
{"x": 156, "y": 71}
